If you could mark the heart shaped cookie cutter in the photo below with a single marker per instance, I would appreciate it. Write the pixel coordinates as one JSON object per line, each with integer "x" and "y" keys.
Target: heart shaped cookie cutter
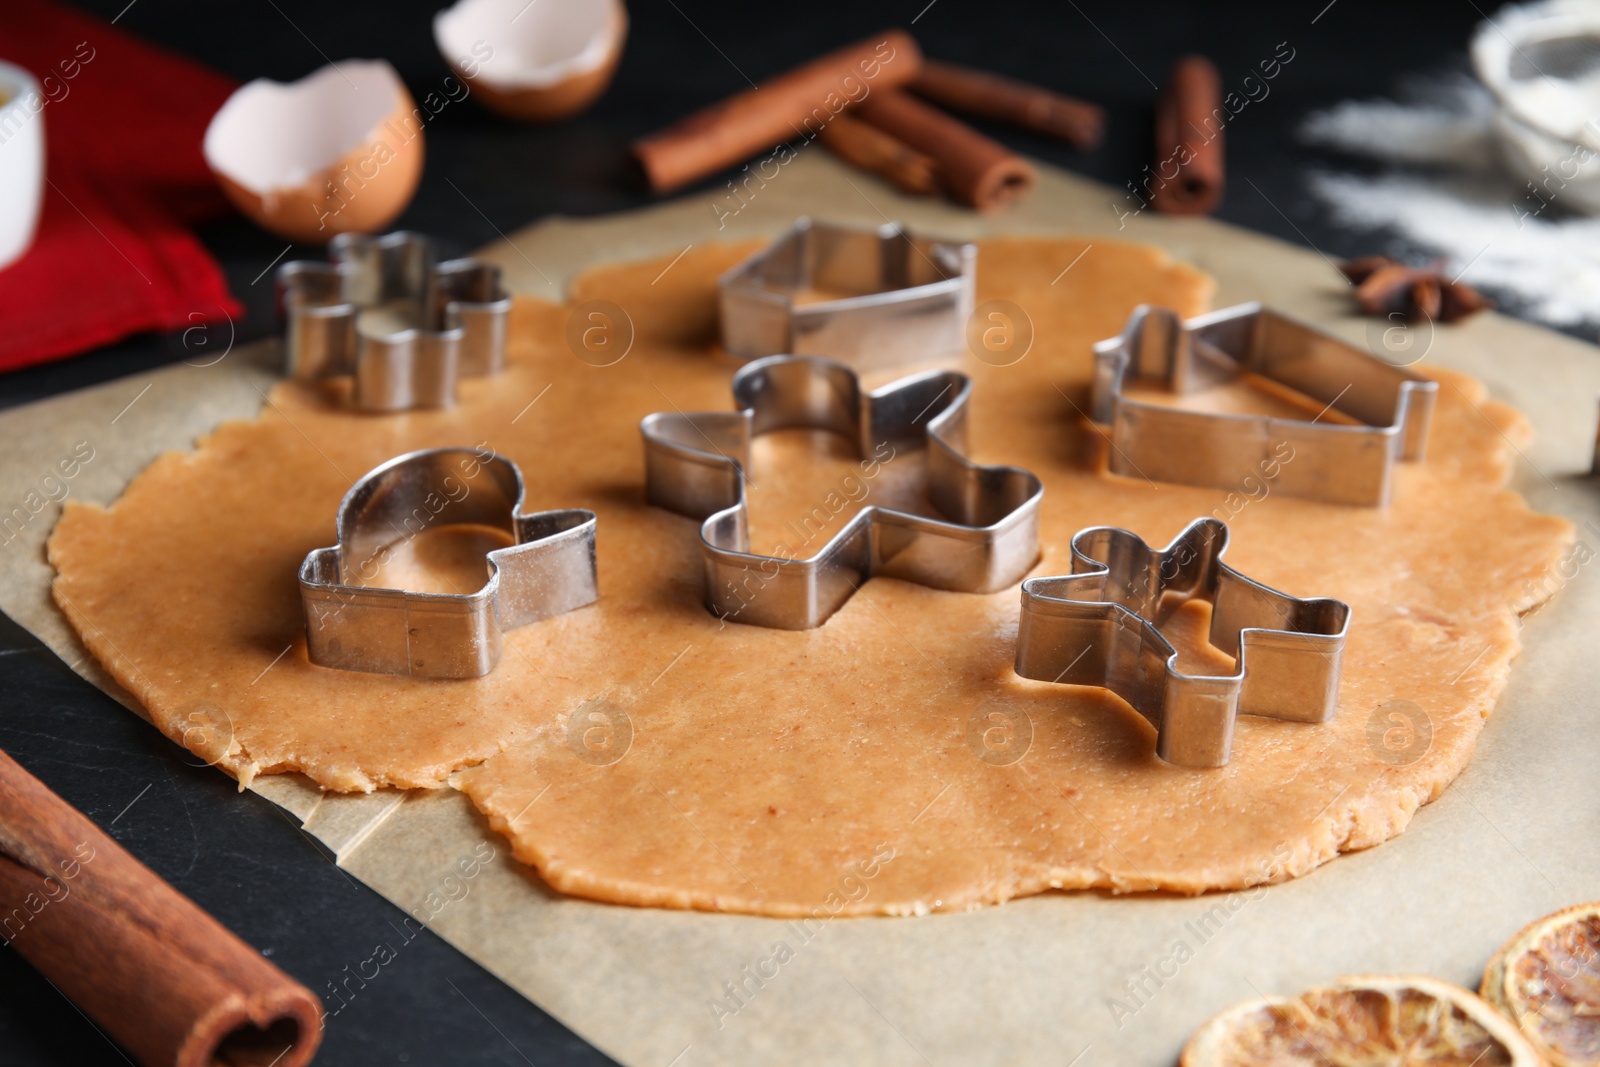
{"x": 351, "y": 625}
{"x": 695, "y": 465}
{"x": 1099, "y": 626}
{"x": 383, "y": 312}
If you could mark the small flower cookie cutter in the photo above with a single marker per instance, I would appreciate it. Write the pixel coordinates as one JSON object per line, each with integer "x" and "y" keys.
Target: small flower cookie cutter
{"x": 869, "y": 298}
{"x": 1099, "y": 626}
{"x": 1337, "y": 464}
{"x": 548, "y": 569}
{"x": 695, "y": 465}
{"x": 383, "y": 312}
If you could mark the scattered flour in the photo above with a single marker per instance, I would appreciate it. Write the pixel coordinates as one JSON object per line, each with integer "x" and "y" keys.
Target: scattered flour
{"x": 1442, "y": 191}
{"x": 1444, "y": 123}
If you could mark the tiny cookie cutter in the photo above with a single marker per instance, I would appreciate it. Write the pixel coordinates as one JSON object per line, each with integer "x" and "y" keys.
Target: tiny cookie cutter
{"x": 1099, "y": 627}
{"x": 908, "y": 298}
{"x": 1338, "y": 464}
{"x": 385, "y": 313}
{"x": 695, "y": 465}
{"x": 548, "y": 569}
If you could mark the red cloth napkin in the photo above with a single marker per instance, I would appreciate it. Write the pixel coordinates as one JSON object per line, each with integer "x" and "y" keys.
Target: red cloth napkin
{"x": 113, "y": 254}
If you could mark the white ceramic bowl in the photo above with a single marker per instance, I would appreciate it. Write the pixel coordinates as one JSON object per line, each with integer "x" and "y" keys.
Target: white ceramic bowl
{"x": 21, "y": 160}
{"x": 1542, "y": 63}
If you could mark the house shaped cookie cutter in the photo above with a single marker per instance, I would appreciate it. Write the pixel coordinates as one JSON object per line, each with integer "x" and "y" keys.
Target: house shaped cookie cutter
{"x": 548, "y": 569}
{"x": 1099, "y": 626}
{"x": 868, "y": 298}
{"x": 383, "y": 312}
{"x": 695, "y": 464}
{"x": 1331, "y": 462}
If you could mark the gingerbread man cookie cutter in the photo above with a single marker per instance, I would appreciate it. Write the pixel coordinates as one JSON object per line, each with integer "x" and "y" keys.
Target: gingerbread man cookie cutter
{"x": 548, "y": 569}
{"x": 1100, "y": 626}
{"x": 869, "y": 298}
{"x": 695, "y": 465}
{"x": 383, "y": 312}
{"x": 1388, "y": 407}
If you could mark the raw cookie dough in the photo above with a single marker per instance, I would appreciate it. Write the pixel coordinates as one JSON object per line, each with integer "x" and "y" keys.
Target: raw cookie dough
{"x": 638, "y": 751}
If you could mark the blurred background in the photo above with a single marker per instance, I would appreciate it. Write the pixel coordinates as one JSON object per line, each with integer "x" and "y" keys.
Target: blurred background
{"x": 486, "y": 176}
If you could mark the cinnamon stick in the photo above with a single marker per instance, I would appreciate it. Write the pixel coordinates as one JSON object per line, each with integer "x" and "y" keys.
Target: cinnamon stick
{"x": 992, "y": 96}
{"x": 869, "y": 148}
{"x": 976, "y": 170}
{"x": 1188, "y": 171}
{"x": 800, "y": 103}
{"x": 167, "y": 981}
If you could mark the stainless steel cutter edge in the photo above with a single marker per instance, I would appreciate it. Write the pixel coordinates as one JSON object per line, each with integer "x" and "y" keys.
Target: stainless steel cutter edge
{"x": 695, "y": 465}
{"x": 1099, "y": 626}
{"x": 1340, "y": 464}
{"x": 417, "y": 367}
{"x": 550, "y": 569}
{"x": 899, "y": 323}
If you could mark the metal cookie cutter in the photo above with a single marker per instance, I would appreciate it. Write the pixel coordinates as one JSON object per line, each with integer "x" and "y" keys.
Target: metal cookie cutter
{"x": 870, "y": 298}
{"x": 548, "y": 569}
{"x": 695, "y": 465}
{"x": 1339, "y": 464}
{"x": 1099, "y": 627}
{"x": 383, "y": 312}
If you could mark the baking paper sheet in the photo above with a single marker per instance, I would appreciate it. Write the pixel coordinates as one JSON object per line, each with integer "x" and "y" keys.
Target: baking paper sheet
{"x": 1080, "y": 978}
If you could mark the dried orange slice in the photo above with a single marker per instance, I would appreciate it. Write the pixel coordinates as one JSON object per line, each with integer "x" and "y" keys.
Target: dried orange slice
{"x": 1547, "y": 979}
{"x": 1366, "y": 1021}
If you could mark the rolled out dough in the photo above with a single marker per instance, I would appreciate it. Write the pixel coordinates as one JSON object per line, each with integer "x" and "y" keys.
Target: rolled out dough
{"x": 637, "y": 751}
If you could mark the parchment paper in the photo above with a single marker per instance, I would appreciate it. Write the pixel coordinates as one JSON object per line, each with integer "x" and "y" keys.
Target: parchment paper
{"x": 1075, "y": 978}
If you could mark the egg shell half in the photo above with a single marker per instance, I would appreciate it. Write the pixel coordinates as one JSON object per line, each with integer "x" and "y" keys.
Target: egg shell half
{"x": 338, "y": 151}
{"x": 537, "y": 62}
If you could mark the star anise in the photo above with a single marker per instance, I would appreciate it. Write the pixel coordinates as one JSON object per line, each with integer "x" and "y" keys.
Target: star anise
{"x": 1385, "y": 286}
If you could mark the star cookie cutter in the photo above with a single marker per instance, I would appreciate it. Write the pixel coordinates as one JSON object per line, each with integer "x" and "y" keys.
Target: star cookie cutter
{"x": 870, "y": 298}
{"x": 695, "y": 465}
{"x": 548, "y": 569}
{"x": 383, "y": 312}
{"x": 1099, "y": 626}
{"x": 1337, "y": 464}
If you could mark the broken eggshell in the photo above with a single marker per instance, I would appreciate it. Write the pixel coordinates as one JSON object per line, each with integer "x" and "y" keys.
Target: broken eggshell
{"x": 338, "y": 151}
{"x": 538, "y": 62}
